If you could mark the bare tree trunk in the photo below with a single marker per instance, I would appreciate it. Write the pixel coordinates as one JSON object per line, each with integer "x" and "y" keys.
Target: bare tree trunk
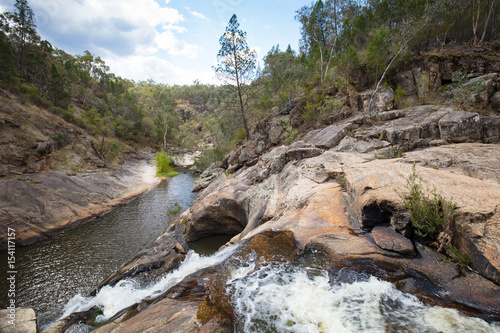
{"x": 487, "y": 21}
{"x": 240, "y": 97}
{"x": 383, "y": 76}
{"x": 475, "y": 20}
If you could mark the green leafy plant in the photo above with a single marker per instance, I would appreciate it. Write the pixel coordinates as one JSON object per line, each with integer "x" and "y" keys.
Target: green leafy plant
{"x": 457, "y": 256}
{"x": 290, "y": 134}
{"x": 431, "y": 215}
{"x": 341, "y": 180}
{"x": 164, "y": 166}
{"x": 174, "y": 211}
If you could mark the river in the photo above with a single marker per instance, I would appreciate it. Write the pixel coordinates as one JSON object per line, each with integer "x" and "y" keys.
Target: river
{"x": 50, "y": 273}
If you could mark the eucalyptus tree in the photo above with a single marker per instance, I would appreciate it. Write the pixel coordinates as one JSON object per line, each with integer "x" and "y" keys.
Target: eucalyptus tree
{"x": 236, "y": 62}
{"x": 21, "y": 24}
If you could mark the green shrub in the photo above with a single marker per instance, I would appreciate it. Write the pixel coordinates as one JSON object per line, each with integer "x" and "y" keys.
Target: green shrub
{"x": 208, "y": 157}
{"x": 431, "y": 215}
{"x": 164, "y": 165}
{"x": 398, "y": 97}
{"x": 456, "y": 256}
{"x": 290, "y": 134}
{"x": 240, "y": 134}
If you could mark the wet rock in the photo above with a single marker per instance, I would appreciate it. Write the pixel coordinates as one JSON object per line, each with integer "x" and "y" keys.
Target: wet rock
{"x": 161, "y": 257}
{"x": 20, "y": 320}
{"x": 167, "y": 315}
{"x": 388, "y": 239}
{"x": 207, "y": 177}
{"x": 460, "y": 126}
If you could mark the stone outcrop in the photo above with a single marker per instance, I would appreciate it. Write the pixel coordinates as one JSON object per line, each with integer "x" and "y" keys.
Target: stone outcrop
{"x": 206, "y": 177}
{"x": 383, "y": 100}
{"x": 20, "y": 320}
{"x": 40, "y": 205}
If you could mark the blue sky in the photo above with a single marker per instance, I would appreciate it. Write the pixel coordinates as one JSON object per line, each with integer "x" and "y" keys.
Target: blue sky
{"x": 169, "y": 41}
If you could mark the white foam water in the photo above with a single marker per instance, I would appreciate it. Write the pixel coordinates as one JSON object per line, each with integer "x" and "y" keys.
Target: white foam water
{"x": 276, "y": 298}
{"x": 128, "y": 292}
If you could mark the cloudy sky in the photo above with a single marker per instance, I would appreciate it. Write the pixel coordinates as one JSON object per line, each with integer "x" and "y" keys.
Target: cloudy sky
{"x": 169, "y": 41}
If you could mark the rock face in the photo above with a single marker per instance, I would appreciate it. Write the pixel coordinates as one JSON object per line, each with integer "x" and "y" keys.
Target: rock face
{"x": 41, "y": 205}
{"x": 460, "y": 126}
{"x": 20, "y": 320}
{"x": 206, "y": 177}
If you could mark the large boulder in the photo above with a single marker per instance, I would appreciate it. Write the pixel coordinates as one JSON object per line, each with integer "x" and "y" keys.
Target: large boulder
{"x": 460, "y": 126}
{"x": 481, "y": 88}
{"x": 383, "y": 100}
{"x": 491, "y": 129}
{"x": 328, "y": 137}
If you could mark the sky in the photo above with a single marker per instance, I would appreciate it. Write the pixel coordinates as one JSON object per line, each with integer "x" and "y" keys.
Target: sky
{"x": 169, "y": 41}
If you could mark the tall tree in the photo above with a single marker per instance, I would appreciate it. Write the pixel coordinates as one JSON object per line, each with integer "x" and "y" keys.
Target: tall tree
{"x": 236, "y": 62}
{"x": 23, "y": 25}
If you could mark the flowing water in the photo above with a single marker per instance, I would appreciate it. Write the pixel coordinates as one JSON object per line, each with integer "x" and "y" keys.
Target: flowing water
{"x": 279, "y": 298}
{"x": 52, "y": 272}
{"x": 297, "y": 297}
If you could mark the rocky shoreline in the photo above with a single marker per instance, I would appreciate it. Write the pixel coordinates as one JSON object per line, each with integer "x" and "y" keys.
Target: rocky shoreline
{"x": 45, "y": 204}
{"x": 339, "y": 191}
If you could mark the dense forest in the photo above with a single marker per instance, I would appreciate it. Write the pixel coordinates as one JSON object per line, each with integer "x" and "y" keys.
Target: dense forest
{"x": 341, "y": 41}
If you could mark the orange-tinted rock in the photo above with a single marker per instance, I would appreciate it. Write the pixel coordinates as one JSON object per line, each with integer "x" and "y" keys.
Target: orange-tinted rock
{"x": 387, "y": 239}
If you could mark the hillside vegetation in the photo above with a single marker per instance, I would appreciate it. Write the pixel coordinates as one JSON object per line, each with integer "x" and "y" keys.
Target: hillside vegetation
{"x": 346, "y": 46}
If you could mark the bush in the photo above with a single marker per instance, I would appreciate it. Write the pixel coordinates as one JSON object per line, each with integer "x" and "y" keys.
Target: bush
{"x": 208, "y": 157}
{"x": 431, "y": 215}
{"x": 164, "y": 165}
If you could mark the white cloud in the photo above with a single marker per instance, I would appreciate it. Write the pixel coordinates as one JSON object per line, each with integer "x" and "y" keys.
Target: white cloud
{"x": 199, "y": 15}
{"x": 119, "y": 27}
{"x": 140, "y": 68}
{"x": 167, "y": 41}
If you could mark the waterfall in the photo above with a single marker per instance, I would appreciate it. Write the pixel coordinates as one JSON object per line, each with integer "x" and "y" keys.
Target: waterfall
{"x": 128, "y": 292}
{"x": 280, "y": 298}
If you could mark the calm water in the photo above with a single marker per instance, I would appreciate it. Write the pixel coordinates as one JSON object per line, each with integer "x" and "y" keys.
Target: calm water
{"x": 52, "y": 272}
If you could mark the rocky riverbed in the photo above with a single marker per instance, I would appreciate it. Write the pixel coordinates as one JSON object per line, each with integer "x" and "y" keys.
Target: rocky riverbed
{"x": 338, "y": 191}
